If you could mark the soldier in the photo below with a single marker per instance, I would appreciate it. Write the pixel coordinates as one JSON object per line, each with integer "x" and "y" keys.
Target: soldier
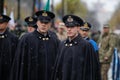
{"x": 31, "y": 22}
{"x": 84, "y": 31}
{"x": 8, "y": 44}
{"x": 107, "y": 45}
{"x": 31, "y": 25}
{"x": 76, "y": 59}
{"x": 36, "y": 52}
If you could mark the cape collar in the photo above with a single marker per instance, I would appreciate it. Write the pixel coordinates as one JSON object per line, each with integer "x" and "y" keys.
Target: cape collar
{"x": 75, "y": 41}
{"x": 41, "y": 36}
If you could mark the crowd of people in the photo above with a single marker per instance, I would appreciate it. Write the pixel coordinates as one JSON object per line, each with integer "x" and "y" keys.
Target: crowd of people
{"x": 70, "y": 53}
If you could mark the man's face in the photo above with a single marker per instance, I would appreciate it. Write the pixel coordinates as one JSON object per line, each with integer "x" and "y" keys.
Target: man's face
{"x": 72, "y": 31}
{"x": 30, "y": 29}
{"x": 3, "y": 26}
{"x": 105, "y": 30}
{"x": 43, "y": 27}
{"x": 84, "y": 33}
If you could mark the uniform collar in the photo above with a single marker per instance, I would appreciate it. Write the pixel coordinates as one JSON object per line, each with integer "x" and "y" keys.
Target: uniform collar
{"x": 75, "y": 41}
{"x": 86, "y": 38}
{"x": 41, "y": 36}
{"x": 4, "y": 35}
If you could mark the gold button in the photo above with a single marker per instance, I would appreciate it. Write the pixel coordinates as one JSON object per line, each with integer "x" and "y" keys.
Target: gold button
{"x": 66, "y": 44}
{"x": 2, "y": 36}
{"x": 47, "y": 38}
{"x": 40, "y": 37}
{"x": 43, "y": 39}
{"x": 71, "y": 44}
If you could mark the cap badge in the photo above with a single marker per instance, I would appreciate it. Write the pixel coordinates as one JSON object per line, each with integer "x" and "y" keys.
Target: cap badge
{"x": 86, "y": 25}
{"x": 44, "y": 14}
{"x": 70, "y": 19}
{"x": 30, "y": 19}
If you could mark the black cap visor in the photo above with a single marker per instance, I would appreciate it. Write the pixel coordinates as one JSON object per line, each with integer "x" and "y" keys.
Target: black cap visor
{"x": 84, "y": 29}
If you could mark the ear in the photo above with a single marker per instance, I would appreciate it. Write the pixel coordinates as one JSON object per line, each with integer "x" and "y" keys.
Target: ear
{"x": 50, "y": 23}
{"x": 78, "y": 28}
{"x": 37, "y": 22}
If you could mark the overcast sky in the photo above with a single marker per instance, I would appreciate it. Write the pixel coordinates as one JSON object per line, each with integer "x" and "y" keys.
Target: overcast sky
{"x": 106, "y": 8}
{"x": 108, "y": 4}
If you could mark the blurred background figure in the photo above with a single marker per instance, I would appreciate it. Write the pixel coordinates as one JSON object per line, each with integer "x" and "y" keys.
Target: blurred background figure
{"x": 106, "y": 49}
{"x": 31, "y": 23}
{"x": 85, "y": 31}
{"x": 95, "y": 35}
{"x": 18, "y": 30}
{"x": 61, "y": 31}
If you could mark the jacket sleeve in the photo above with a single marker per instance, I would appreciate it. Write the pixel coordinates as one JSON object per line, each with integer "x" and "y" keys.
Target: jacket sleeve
{"x": 112, "y": 44}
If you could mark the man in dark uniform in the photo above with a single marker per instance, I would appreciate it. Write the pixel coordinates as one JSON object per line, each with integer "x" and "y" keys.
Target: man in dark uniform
{"x": 31, "y": 23}
{"x": 84, "y": 31}
{"x": 76, "y": 59}
{"x": 36, "y": 52}
{"x": 8, "y": 44}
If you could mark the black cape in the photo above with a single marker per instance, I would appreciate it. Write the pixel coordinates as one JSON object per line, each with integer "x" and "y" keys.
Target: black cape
{"x": 8, "y": 44}
{"x": 76, "y": 61}
{"x": 35, "y": 57}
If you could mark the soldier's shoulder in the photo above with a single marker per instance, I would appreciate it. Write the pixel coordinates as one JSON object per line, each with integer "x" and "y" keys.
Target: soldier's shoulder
{"x": 26, "y": 36}
{"x": 11, "y": 35}
{"x": 113, "y": 35}
{"x": 52, "y": 33}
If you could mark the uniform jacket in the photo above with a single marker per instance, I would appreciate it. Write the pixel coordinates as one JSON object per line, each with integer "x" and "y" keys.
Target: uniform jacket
{"x": 107, "y": 45}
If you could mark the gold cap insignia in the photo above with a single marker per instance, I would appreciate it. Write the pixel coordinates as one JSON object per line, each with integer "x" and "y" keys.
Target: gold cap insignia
{"x": 70, "y": 19}
{"x": 86, "y": 25}
{"x": 1, "y": 17}
{"x": 30, "y": 19}
{"x": 44, "y": 14}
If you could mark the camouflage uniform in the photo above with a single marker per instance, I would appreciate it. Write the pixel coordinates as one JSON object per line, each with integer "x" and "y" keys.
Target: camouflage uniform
{"x": 107, "y": 45}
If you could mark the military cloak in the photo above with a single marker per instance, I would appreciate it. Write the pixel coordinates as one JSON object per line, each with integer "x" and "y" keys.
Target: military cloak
{"x": 8, "y": 44}
{"x": 35, "y": 57}
{"x": 77, "y": 60}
